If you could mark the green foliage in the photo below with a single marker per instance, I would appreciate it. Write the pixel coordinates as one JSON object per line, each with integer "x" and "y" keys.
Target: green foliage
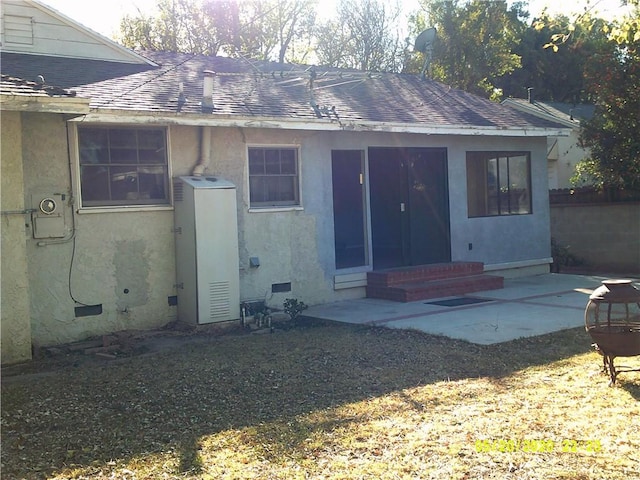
{"x": 475, "y": 43}
{"x": 559, "y": 76}
{"x": 293, "y": 307}
{"x": 611, "y": 77}
{"x": 586, "y": 173}
{"x": 562, "y": 257}
{"x": 611, "y": 134}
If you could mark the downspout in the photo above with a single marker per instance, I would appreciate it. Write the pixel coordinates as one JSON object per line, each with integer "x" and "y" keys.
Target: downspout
{"x": 205, "y": 132}
{"x": 205, "y": 152}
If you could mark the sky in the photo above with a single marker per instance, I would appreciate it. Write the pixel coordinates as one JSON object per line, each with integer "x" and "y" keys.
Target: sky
{"x": 104, "y": 16}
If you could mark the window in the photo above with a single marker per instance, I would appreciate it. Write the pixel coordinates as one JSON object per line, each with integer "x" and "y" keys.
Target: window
{"x": 273, "y": 177}
{"x": 498, "y": 183}
{"x": 123, "y": 166}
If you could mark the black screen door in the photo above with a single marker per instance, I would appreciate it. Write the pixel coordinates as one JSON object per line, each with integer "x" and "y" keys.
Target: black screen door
{"x": 347, "y": 171}
{"x": 409, "y": 206}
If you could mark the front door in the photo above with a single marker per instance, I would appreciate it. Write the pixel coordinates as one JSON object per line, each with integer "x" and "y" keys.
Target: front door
{"x": 409, "y": 206}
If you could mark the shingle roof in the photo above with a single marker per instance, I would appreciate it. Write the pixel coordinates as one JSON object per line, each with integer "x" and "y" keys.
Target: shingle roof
{"x": 568, "y": 112}
{"x": 66, "y": 72}
{"x": 269, "y": 90}
{"x": 18, "y": 86}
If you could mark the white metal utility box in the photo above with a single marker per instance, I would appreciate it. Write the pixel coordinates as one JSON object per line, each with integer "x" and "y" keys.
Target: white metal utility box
{"x": 207, "y": 264}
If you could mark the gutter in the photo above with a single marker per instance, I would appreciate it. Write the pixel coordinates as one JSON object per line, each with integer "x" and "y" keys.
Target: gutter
{"x": 123, "y": 116}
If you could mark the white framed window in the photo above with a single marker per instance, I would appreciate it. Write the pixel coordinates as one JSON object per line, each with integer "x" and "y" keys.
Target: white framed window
{"x": 274, "y": 179}
{"x": 498, "y": 183}
{"x": 122, "y": 166}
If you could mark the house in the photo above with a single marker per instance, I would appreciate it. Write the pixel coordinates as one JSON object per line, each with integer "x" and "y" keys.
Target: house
{"x": 126, "y": 176}
{"x": 564, "y": 152}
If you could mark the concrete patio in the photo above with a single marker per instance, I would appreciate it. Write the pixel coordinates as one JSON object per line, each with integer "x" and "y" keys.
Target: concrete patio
{"x": 525, "y": 307}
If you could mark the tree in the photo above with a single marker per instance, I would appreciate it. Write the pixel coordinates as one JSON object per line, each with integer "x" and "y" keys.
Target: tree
{"x": 269, "y": 30}
{"x": 475, "y": 44}
{"x": 363, "y": 36}
{"x": 553, "y": 76}
{"x": 259, "y": 29}
{"x": 612, "y": 78}
{"x": 182, "y": 26}
{"x": 295, "y": 21}
{"x": 611, "y": 134}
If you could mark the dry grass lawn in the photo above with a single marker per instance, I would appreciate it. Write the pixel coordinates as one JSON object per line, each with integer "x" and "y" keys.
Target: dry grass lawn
{"x": 329, "y": 401}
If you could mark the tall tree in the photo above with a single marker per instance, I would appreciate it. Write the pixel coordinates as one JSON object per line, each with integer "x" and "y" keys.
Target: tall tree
{"x": 270, "y": 29}
{"x": 612, "y": 78}
{"x": 476, "y": 42}
{"x": 611, "y": 134}
{"x": 363, "y": 36}
{"x": 182, "y": 26}
{"x": 260, "y": 29}
{"x": 554, "y": 76}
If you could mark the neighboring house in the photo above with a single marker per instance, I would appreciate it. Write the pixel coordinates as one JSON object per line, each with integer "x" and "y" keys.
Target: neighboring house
{"x": 563, "y": 153}
{"x": 298, "y": 180}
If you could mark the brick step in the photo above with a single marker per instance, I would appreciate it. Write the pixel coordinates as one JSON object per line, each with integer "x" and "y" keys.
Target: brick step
{"x": 414, "y": 291}
{"x": 423, "y": 273}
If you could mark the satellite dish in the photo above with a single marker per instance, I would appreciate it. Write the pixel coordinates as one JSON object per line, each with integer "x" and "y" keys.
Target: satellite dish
{"x": 424, "y": 44}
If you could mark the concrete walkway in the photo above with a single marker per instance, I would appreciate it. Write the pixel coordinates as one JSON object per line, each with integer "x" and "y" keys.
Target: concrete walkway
{"x": 525, "y": 307}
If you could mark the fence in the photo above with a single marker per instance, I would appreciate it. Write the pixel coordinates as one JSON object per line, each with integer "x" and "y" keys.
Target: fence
{"x": 600, "y": 231}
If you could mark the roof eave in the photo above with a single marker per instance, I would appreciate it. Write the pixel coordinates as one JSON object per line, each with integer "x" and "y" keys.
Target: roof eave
{"x": 466, "y": 130}
{"x": 535, "y": 111}
{"x": 320, "y": 124}
{"x": 33, "y": 103}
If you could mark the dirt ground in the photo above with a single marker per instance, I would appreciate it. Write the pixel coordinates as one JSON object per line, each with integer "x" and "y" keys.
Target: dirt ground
{"x": 120, "y": 346}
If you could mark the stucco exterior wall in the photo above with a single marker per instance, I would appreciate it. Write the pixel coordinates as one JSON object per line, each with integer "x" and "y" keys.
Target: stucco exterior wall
{"x": 14, "y": 306}
{"x": 297, "y": 245}
{"x": 288, "y": 242}
{"x": 500, "y": 242}
{"x": 125, "y": 260}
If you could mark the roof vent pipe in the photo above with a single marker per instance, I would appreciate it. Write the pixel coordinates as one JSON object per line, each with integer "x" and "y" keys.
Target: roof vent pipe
{"x": 207, "y": 91}
{"x": 530, "y": 94}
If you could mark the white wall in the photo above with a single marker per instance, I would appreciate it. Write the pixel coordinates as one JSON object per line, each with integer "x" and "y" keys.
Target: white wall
{"x": 34, "y": 29}
{"x": 568, "y": 155}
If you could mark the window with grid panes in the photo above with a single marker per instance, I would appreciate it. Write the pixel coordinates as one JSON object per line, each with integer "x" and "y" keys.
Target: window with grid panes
{"x": 273, "y": 176}
{"x": 123, "y": 166}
